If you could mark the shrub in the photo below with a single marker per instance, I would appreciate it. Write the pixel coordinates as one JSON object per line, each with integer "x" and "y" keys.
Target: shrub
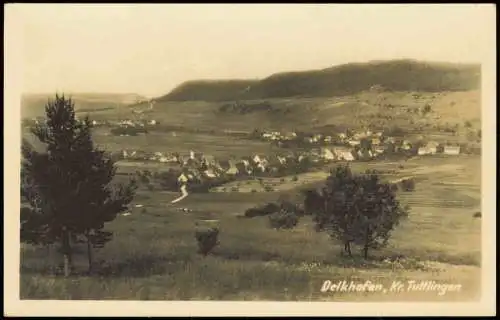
{"x": 262, "y": 210}
{"x": 283, "y": 220}
{"x": 427, "y": 108}
{"x": 291, "y": 207}
{"x": 295, "y": 178}
{"x": 207, "y": 240}
{"x": 408, "y": 185}
{"x": 268, "y": 188}
{"x": 282, "y": 180}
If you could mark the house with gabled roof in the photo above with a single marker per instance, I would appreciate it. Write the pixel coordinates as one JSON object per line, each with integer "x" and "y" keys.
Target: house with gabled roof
{"x": 343, "y": 153}
{"x": 451, "y": 150}
{"x": 327, "y": 154}
{"x": 423, "y": 151}
{"x": 378, "y": 149}
{"x": 354, "y": 142}
{"x": 282, "y": 160}
{"x": 259, "y": 159}
{"x": 432, "y": 146}
{"x": 210, "y": 173}
{"x": 375, "y": 141}
{"x": 233, "y": 169}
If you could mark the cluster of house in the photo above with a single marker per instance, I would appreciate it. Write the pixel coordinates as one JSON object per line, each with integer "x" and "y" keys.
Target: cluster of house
{"x": 213, "y": 167}
{"x": 278, "y": 136}
{"x": 353, "y": 144}
{"x": 434, "y": 147}
{"x": 318, "y": 138}
{"x": 132, "y": 123}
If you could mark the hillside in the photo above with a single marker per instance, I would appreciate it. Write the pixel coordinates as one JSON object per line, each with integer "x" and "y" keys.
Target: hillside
{"x": 32, "y": 105}
{"x": 449, "y": 110}
{"x": 394, "y": 75}
{"x": 209, "y": 90}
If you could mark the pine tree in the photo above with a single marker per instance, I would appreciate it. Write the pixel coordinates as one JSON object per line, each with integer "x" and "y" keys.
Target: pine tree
{"x": 69, "y": 186}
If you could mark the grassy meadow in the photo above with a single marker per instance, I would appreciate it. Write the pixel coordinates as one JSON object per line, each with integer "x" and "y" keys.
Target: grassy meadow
{"x": 153, "y": 253}
{"x": 182, "y": 142}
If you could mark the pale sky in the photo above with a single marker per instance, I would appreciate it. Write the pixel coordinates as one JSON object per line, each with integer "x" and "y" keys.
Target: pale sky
{"x": 150, "y": 49}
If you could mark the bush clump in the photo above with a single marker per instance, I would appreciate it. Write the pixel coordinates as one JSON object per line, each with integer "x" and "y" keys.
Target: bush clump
{"x": 408, "y": 185}
{"x": 207, "y": 240}
{"x": 283, "y": 219}
{"x": 262, "y": 210}
{"x": 268, "y": 189}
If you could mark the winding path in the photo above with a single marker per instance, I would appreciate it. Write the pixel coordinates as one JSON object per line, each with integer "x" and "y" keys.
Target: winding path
{"x": 184, "y": 194}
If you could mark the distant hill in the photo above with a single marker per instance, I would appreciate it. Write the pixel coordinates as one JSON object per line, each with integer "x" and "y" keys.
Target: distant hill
{"x": 347, "y": 79}
{"x": 32, "y": 105}
{"x": 209, "y": 90}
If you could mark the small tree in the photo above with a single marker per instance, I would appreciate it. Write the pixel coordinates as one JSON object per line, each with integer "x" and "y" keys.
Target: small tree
{"x": 357, "y": 209}
{"x": 283, "y": 220}
{"x": 427, "y": 108}
{"x": 207, "y": 240}
{"x": 68, "y": 187}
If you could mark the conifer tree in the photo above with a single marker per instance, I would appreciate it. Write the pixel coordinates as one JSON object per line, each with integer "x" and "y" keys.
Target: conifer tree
{"x": 68, "y": 186}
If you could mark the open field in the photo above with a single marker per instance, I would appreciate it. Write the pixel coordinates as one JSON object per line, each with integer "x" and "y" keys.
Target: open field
{"x": 153, "y": 255}
{"x": 183, "y": 142}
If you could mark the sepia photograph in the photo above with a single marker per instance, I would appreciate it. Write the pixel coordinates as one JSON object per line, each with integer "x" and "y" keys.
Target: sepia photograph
{"x": 249, "y": 159}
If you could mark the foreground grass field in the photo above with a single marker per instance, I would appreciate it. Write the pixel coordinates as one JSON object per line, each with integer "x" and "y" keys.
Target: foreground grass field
{"x": 153, "y": 255}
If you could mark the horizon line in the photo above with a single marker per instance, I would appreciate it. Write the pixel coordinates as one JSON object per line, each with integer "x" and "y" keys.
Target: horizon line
{"x": 215, "y": 79}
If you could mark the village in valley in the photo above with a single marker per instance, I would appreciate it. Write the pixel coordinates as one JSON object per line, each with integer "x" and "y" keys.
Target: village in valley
{"x": 301, "y": 152}
{"x": 316, "y": 150}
